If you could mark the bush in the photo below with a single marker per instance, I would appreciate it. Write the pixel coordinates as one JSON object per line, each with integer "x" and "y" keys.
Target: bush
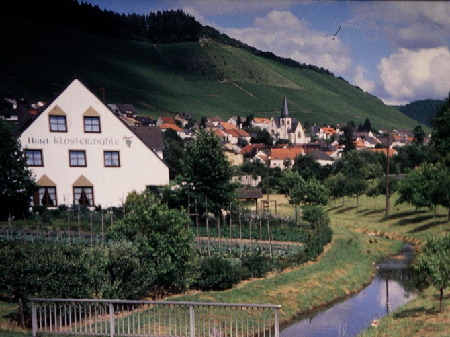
{"x": 257, "y": 265}
{"x": 315, "y": 216}
{"x": 217, "y": 273}
{"x": 317, "y": 240}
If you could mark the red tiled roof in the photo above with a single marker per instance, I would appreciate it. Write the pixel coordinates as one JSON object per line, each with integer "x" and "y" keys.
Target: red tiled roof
{"x": 392, "y": 152}
{"x": 243, "y": 133}
{"x": 360, "y": 143}
{"x": 231, "y": 132}
{"x": 171, "y": 126}
{"x": 260, "y": 120}
{"x": 228, "y": 126}
{"x": 218, "y": 132}
{"x": 329, "y": 131}
{"x": 167, "y": 119}
{"x": 249, "y": 148}
{"x": 288, "y": 153}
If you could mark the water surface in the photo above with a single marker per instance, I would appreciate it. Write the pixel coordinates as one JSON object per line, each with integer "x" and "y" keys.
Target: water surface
{"x": 391, "y": 288}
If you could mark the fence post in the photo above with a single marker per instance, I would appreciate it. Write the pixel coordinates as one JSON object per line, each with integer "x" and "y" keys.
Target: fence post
{"x": 192, "y": 320}
{"x": 111, "y": 320}
{"x": 277, "y": 324}
{"x": 33, "y": 319}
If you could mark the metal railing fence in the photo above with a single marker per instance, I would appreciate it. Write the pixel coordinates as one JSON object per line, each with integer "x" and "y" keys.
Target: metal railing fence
{"x": 152, "y": 318}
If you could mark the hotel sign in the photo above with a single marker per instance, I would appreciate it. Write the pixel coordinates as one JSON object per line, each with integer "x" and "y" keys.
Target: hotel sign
{"x": 81, "y": 141}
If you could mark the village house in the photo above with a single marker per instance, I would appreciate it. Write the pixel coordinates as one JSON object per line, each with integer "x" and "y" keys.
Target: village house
{"x": 286, "y": 127}
{"x": 321, "y": 157}
{"x": 233, "y": 154}
{"x": 246, "y": 180}
{"x": 82, "y": 153}
{"x": 262, "y": 123}
{"x": 284, "y": 157}
{"x": 233, "y": 133}
{"x": 165, "y": 120}
{"x": 183, "y": 118}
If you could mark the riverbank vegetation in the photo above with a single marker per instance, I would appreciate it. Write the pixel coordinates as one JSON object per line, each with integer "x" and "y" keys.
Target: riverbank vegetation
{"x": 420, "y": 317}
{"x": 346, "y": 266}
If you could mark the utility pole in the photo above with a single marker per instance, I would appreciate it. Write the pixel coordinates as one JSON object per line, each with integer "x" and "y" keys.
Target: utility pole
{"x": 387, "y": 175}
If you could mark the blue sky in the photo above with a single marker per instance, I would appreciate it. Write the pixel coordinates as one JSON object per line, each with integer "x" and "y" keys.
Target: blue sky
{"x": 397, "y": 51}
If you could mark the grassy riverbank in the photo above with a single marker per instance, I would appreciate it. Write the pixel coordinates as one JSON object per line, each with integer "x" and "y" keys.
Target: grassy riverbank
{"x": 419, "y": 317}
{"x": 346, "y": 266}
{"x": 403, "y": 222}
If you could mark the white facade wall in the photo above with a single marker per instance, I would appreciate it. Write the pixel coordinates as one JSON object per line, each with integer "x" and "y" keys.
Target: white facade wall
{"x": 139, "y": 165}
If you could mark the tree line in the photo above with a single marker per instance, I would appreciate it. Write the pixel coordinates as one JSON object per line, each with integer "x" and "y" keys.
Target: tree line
{"x": 172, "y": 26}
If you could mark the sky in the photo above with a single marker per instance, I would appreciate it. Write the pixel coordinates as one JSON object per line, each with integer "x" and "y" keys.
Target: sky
{"x": 398, "y": 51}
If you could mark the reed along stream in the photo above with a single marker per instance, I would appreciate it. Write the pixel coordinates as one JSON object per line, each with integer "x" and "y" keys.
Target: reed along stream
{"x": 391, "y": 287}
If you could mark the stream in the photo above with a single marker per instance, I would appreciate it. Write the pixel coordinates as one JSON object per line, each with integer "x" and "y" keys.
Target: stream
{"x": 391, "y": 287}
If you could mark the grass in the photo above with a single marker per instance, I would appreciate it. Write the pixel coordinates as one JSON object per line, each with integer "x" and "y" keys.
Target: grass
{"x": 415, "y": 319}
{"x": 8, "y": 326}
{"x": 403, "y": 222}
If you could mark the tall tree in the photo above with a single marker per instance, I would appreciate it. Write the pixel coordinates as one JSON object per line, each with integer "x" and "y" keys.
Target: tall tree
{"x": 440, "y": 137}
{"x": 426, "y": 186}
{"x": 367, "y": 125}
{"x": 358, "y": 167}
{"x": 16, "y": 181}
{"x": 419, "y": 135}
{"x": 207, "y": 171}
{"x": 347, "y": 139}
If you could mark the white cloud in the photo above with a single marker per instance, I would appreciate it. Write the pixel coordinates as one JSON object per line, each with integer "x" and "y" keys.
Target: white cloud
{"x": 285, "y": 35}
{"x": 221, "y": 7}
{"x": 416, "y": 74}
{"x": 407, "y": 24}
{"x": 361, "y": 81}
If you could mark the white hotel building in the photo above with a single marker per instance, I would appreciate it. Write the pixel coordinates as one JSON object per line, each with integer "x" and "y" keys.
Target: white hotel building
{"x": 81, "y": 152}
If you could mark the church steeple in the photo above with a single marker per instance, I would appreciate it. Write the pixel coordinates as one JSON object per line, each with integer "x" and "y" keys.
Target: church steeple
{"x": 284, "y": 109}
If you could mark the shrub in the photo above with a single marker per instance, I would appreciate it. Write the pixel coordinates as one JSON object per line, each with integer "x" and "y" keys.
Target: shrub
{"x": 315, "y": 216}
{"x": 257, "y": 265}
{"x": 217, "y": 273}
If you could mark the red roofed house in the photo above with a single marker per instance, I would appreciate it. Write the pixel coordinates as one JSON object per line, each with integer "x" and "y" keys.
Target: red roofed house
{"x": 233, "y": 133}
{"x": 165, "y": 120}
{"x": 262, "y": 123}
{"x": 326, "y": 132}
{"x": 279, "y": 157}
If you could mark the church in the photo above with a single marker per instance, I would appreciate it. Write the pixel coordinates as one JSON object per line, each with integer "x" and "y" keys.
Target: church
{"x": 286, "y": 127}
{"x": 82, "y": 153}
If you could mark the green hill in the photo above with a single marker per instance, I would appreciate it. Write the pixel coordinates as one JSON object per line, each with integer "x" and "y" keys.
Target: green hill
{"x": 204, "y": 78}
{"x": 423, "y": 111}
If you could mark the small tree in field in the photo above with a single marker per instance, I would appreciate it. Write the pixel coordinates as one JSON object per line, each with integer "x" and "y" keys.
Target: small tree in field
{"x": 426, "y": 186}
{"x": 304, "y": 192}
{"x": 432, "y": 266}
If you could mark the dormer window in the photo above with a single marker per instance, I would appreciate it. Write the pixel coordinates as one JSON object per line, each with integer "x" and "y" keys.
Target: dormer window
{"x": 91, "y": 121}
{"x": 57, "y": 120}
{"x": 58, "y": 123}
{"x": 91, "y": 124}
